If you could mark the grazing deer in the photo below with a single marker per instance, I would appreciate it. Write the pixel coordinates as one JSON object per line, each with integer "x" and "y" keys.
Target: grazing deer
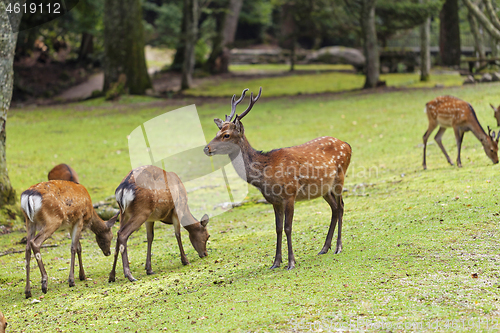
{"x": 3, "y": 323}
{"x": 55, "y": 204}
{"x": 314, "y": 169}
{"x": 496, "y": 114}
{"x": 449, "y": 111}
{"x": 148, "y": 194}
{"x": 63, "y": 172}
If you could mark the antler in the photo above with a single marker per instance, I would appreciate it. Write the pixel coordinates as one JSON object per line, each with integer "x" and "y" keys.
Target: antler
{"x": 234, "y": 103}
{"x": 250, "y": 106}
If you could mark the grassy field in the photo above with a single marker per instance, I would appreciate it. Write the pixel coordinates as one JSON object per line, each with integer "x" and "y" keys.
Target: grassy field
{"x": 420, "y": 247}
{"x": 311, "y": 83}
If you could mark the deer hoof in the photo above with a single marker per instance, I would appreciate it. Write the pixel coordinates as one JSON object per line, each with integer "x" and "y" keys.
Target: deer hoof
{"x": 71, "y": 283}
{"x": 290, "y": 266}
{"x": 27, "y": 294}
{"x": 150, "y": 273}
{"x": 274, "y": 266}
{"x": 323, "y": 252}
{"x": 82, "y": 277}
{"x": 131, "y": 278}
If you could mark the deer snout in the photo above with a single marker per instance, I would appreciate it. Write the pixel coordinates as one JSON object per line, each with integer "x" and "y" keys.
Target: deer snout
{"x": 203, "y": 254}
{"x": 107, "y": 253}
{"x": 208, "y": 151}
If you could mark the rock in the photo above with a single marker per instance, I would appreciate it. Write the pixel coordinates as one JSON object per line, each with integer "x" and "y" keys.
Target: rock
{"x": 469, "y": 80}
{"x": 486, "y": 77}
{"x": 495, "y": 77}
{"x": 338, "y": 55}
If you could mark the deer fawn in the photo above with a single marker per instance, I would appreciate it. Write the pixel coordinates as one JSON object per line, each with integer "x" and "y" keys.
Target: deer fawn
{"x": 449, "y": 111}
{"x": 58, "y": 203}
{"x": 496, "y": 114}
{"x": 148, "y": 194}
{"x": 314, "y": 169}
{"x": 63, "y": 172}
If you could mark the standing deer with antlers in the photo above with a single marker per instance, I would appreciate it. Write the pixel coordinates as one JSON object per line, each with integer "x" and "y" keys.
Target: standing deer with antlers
{"x": 57, "y": 204}
{"x": 449, "y": 111}
{"x": 314, "y": 169}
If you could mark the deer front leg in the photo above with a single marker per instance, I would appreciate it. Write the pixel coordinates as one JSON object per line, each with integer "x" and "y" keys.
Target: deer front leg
{"x": 459, "y": 136}
{"x": 123, "y": 238}
{"x": 333, "y": 222}
{"x": 289, "y": 207}
{"x": 177, "y": 231}
{"x": 150, "y": 230}
{"x": 278, "y": 214}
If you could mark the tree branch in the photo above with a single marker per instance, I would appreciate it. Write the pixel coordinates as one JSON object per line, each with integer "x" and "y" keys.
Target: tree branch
{"x": 483, "y": 20}
{"x": 491, "y": 13}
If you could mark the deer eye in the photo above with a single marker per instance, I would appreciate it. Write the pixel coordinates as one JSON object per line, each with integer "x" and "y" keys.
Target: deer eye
{"x": 226, "y": 136}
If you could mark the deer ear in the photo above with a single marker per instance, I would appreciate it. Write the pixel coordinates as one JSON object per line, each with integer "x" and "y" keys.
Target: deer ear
{"x": 493, "y": 107}
{"x": 239, "y": 126}
{"x": 111, "y": 222}
{"x": 204, "y": 220}
{"x": 218, "y": 122}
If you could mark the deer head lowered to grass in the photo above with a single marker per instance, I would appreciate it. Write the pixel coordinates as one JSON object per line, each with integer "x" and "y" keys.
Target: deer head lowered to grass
{"x": 314, "y": 169}
{"x": 63, "y": 172}
{"x": 449, "y": 111}
{"x": 56, "y": 204}
{"x": 148, "y": 194}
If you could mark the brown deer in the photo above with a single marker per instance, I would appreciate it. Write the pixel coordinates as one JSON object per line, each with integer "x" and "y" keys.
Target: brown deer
{"x": 3, "y": 323}
{"x": 148, "y": 194}
{"x": 314, "y": 169}
{"x": 56, "y": 204}
{"x": 449, "y": 111}
{"x": 496, "y": 114}
{"x": 63, "y": 172}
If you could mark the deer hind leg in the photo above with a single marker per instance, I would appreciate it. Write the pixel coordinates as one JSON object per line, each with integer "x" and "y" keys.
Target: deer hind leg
{"x": 31, "y": 230}
{"x": 438, "y": 138}
{"x": 75, "y": 243}
{"x": 36, "y": 244}
{"x": 278, "y": 214}
{"x": 289, "y": 208}
{"x": 177, "y": 232}
{"x": 150, "y": 230}
{"x": 124, "y": 218}
{"x": 126, "y": 229}
{"x": 459, "y": 136}
{"x": 81, "y": 273}
{"x": 333, "y": 223}
{"x": 430, "y": 129}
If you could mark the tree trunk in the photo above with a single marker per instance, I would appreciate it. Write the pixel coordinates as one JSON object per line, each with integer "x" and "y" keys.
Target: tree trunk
{"x": 227, "y": 22}
{"x": 449, "y": 34}
{"x": 180, "y": 50}
{"x": 86, "y": 46}
{"x": 8, "y": 40}
{"x": 288, "y": 31}
{"x": 191, "y": 9}
{"x": 124, "y": 46}
{"x": 370, "y": 43}
{"x": 425, "y": 50}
